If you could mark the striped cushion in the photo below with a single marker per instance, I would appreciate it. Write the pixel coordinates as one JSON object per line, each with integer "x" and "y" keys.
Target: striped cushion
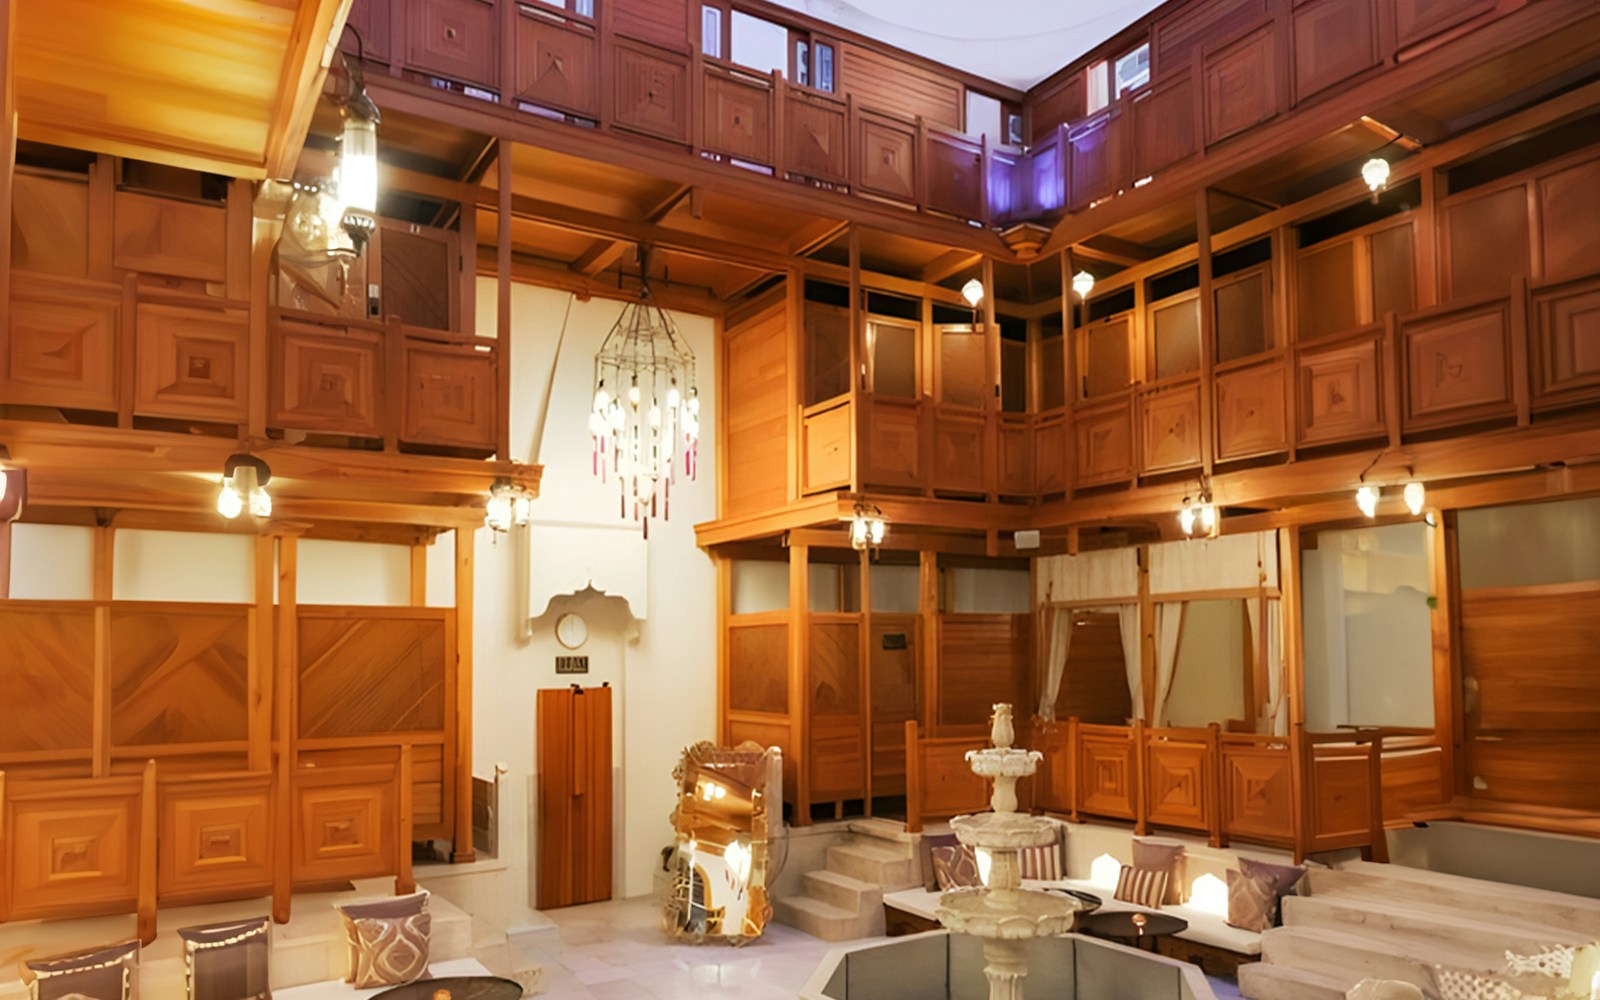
{"x": 1041, "y": 862}
{"x": 1141, "y": 886}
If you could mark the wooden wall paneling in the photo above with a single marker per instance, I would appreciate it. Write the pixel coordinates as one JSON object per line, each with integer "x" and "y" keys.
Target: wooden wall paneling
{"x": 893, "y": 694}
{"x": 1096, "y": 159}
{"x": 1015, "y": 459}
{"x": 1061, "y": 103}
{"x": 650, "y": 94}
{"x": 1568, "y": 208}
{"x": 1257, "y": 793}
{"x": 574, "y": 810}
{"x": 838, "y": 754}
{"x": 835, "y": 667}
{"x": 49, "y": 225}
{"x": 939, "y": 782}
{"x": 1333, "y": 41}
{"x": 738, "y": 114}
{"x": 756, "y": 443}
{"x": 1178, "y": 40}
{"x": 1164, "y": 126}
{"x": 1340, "y": 388}
{"x": 1414, "y": 785}
{"x": 1103, "y": 443}
{"x": 814, "y": 136}
{"x": 883, "y": 82}
{"x": 557, "y": 63}
{"x": 47, "y": 662}
{"x": 371, "y": 671}
{"x": 168, "y": 236}
{"x": 1545, "y": 694}
{"x": 344, "y": 822}
{"x": 1170, "y": 428}
{"x": 1483, "y": 241}
{"x": 1107, "y": 780}
{"x": 1458, "y": 367}
{"x": 953, "y": 167}
{"x": 1326, "y": 295}
{"x": 191, "y": 363}
{"x": 454, "y": 39}
{"x": 327, "y": 379}
{"x": 1252, "y": 416}
{"x": 1392, "y": 272}
{"x": 1565, "y": 343}
{"x": 800, "y": 680}
{"x": 1417, "y": 20}
{"x": 825, "y": 447}
{"x": 1239, "y": 83}
{"x": 1177, "y": 783}
{"x": 983, "y": 659}
{"x": 959, "y": 454}
{"x": 885, "y": 151}
{"x": 758, "y": 671}
{"x": 659, "y": 22}
{"x": 1049, "y": 454}
{"x": 1339, "y": 798}
{"x": 61, "y": 346}
{"x": 73, "y": 846}
{"x": 418, "y": 274}
{"x": 370, "y": 18}
{"x": 450, "y": 394}
{"x": 894, "y": 455}
{"x": 215, "y": 839}
{"x": 1042, "y": 176}
{"x": 179, "y": 676}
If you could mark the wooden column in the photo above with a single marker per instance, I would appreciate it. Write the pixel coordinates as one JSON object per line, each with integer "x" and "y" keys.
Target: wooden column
{"x": 864, "y": 668}
{"x": 259, "y": 683}
{"x": 723, "y": 567}
{"x": 1070, "y": 390}
{"x": 794, "y": 385}
{"x": 858, "y": 363}
{"x": 502, "y": 420}
{"x": 1293, "y": 652}
{"x": 1208, "y": 328}
{"x": 104, "y": 551}
{"x": 287, "y": 657}
{"x": 8, "y": 147}
{"x": 461, "y": 848}
{"x": 418, "y": 576}
{"x": 928, "y": 642}
{"x": 991, "y": 405}
{"x": 5, "y": 558}
{"x": 800, "y": 680}
{"x": 1282, "y": 291}
{"x": 1147, "y": 637}
{"x": 1443, "y": 618}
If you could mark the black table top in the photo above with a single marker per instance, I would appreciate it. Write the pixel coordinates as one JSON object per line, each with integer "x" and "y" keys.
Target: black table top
{"x": 1120, "y": 925}
{"x": 457, "y": 988}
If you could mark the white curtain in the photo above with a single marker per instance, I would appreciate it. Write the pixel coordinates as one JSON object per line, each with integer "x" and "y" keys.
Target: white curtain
{"x": 1089, "y": 577}
{"x": 1277, "y": 703}
{"x": 1055, "y": 659}
{"x": 1232, "y": 562}
{"x": 1128, "y": 625}
{"x": 1169, "y": 626}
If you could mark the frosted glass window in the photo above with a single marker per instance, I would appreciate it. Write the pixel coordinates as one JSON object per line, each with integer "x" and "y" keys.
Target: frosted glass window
{"x": 984, "y": 117}
{"x": 52, "y": 562}
{"x": 759, "y": 44}
{"x": 360, "y": 573}
{"x": 759, "y": 585}
{"x": 1367, "y": 631}
{"x": 834, "y": 587}
{"x": 1213, "y": 656}
{"x": 183, "y": 566}
{"x": 987, "y": 590}
{"x": 1133, "y": 70}
{"x": 442, "y": 571}
{"x": 1527, "y": 545}
{"x": 961, "y": 359}
{"x": 893, "y": 348}
{"x": 894, "y": 588}
{"x": 711, "y": 31}
{"x": 824, "y": 56}
{"x": 1098, "y": 80}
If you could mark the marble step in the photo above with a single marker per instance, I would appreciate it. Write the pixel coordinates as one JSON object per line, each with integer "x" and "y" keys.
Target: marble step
{"x": 843, "y": 891}
{"x": 1397, "y": 883}
{"x": 1263, "y": 981}
{"x": 888, "y": 834}
{"x": 882, "y": 866}
{"x": 1338, "y": 953}
{"x": 825, "y": 921}
{"x": 1464, "y": 932}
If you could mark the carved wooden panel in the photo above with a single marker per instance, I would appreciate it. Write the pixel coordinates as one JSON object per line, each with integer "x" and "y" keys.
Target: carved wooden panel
{"x": 758, "y": 672}
{"x": 364, "y": 673}
{"x": 1050, "y": 455}
{"x": 835, "y": 673}
{"x": 1485, "y": 242}
{"x": 167, "y": 236}
{"x": 1241, "y": 84}
{"x": 1415, "y": 20}
{"x": 343, "y": 824}
{"x": 1176, "y": 793}
{"x": 49, "y": 225}
{"x": 894, "y": 445}
{"x": 959, "y": 455}
{"x": 954, "y": 175}
{"x": 1566, "y": 343}
{"x": 420, "y": 269}
{"x": 948, "y": 787}
{"x": 1175, "y": 40}
{"x": 1107, "y": 782}
{"x": 1257, "y": 797}
{"x": 660, "y": 22}
{"x": 1333, "y": 41}
{"x": 650, "y": 93}
{"x": 1340, "y": 393}
{"x": 215, "y": 839}
{"x": 983, "y": 658}
{"x": 326, "y": 379}
{"x": 825, "y": 449}
{"x": 1095, "y": 160}
{"x": 814, "y": 138}
{"x": 737, "y": 113}
{"x": 458, "y": 39}
{"x": 1458, "y": 367}
{"x": 1325, "y": 291}
{"x": 72, "y": 847}
{"x": 1251, "y": 412}
{"x": 190, "y": 363}
{"x": 1169, "y": 429}
{"x": 450, "y": 395}
{"x": 1164, "y": 126}
{"x": 47, "y": 664}
{"x": 178, "y": 676}
{"x": 886, "y": 157}
{"x": 1016, "y": 455}
{"x": 558, "y": 65}
{"x": 1341, "y": 804}
{"x": 1104, "y": 445}
{"x": 1569, "y": 221}
{"x": 371, "y": 19}
{"x": 60, "y": 348}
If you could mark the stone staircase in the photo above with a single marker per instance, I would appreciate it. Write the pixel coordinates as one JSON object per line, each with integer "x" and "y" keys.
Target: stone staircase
{"x": 1364, "y": 920}
{"x": 843, "y": 901}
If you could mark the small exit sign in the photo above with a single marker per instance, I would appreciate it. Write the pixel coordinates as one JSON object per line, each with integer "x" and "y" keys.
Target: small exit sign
{"x": 572, "y": 664}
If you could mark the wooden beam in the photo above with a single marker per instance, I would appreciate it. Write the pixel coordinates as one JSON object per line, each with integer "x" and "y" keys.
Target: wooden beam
{"x": 502, "y": 319}
{"x": 952, "y": 262}
{"x": 287, "y": 658}
{"x": 260, "y": 668}
{"x": 530, "y": 271}
{"x": 607, "y": 252}
{"x": 313, "y": 40}
{"x": 815, "y": 234}
{"x": 461, "y": 847}
{"x": 799, "y": 675}
{"x": 1114, "y": 251}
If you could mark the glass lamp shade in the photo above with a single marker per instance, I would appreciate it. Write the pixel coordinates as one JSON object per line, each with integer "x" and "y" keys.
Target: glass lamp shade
{"x": 230, "y": 504}
{"x": 1415, "y": 495}
{"x": 1367, "y": 500}
{"x": 358, "y": 165}
{"x": 1186, "y": 519}
{"x": 1376, "y": 173}
{"x": 972, "y": 291}
{"x": 1083, "y": 284}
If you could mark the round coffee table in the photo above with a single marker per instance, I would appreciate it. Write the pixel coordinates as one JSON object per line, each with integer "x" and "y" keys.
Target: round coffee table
{"x": 1123, "y": 927}
{"x": 456, "y": 988}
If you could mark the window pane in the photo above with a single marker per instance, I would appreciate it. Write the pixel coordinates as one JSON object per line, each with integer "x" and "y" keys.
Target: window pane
{"x": 1013, "y": 128}
{"x": 802, "y": 63}
{"x": 1013, "y": 376}
{"x": 961, "y": 351}
{"x": 1177, "y": 338}
{"x": 1213, "y": 655}
{"x": 1133, "y": 70}
{"x": 827, "y": 351}
{"x": 1241, "y": 317}
{"x": 1051, "y": 372}
{"x": 983, "y": 116}
{"x": 711, "y": 31}
{"x": 759, "y": 585}
{"x": 1106, "y": 367}
{"x": 759, "y": 44}
{"x": 894, "y": 359}
{"x": 584, "y": 7}
{"x": 1529, "y": 545}
{"x": 1099, "y": 89}
{"x": 1392, "y": 269}
{"x": 825, "y": 67}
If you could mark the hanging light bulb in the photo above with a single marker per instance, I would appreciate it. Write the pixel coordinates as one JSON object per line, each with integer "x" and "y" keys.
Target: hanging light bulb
{"x": 244, "y": 487}
{"x": 1208, "y": 517}
{"x": 230, "y": 504}
{"x": 972, "y": 291}
{"x": 1186, "y": 517}
{"x": 1367, "y": 500}
{"x": 1083, "y": 284}
{"x": 1415, "y": 495}
{"x": 1376, "y": 173}
{"x": 867, "y": 527}
{"x": 508, "y": 506}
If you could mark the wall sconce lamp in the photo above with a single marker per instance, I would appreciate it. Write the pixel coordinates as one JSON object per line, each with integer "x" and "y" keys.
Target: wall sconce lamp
{"x": 1199, "y": 513}
{"x": 357, "y": 173}
{"x": 867, "y": 527}
{"x": 1416, "y": 495}
{"x": 1367, "y": 500}
{"x": 1083, "y": 284}
{"x": 244, "y": 487}
{"x": 509, "y": 505}
{"x": 972, "y": 291}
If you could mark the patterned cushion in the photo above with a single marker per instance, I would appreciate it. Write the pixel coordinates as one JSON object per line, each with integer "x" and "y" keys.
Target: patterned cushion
{"x": 1282, "y": 880}
{"x": 955, "y": 867}
{"x": 1454, "y": 984}
{"x": 1043, "y": 862}
{"x": 1252, "y": 904}
{"x": 102, "y": 973}
{"x": 228, "y": 961}
{"x": 1383, "y": 989}
{"x": 1166, "y": 856}
{"x": 1142, "y": 886}
{"x": 388, "y": 940}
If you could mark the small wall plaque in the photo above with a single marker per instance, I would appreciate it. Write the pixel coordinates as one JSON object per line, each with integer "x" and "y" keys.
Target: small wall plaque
{"x": 894, "y": 640}
{"x": 572, "y": 664}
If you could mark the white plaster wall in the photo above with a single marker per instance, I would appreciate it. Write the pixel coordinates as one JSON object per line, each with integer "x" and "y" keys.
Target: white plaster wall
{"x": 1208, "y": 680}
{"x": 183, "y": 566}
{"x": 894, "y": 588}
{"x": 759, "y": 585}
{"x": 52, "y": 562}
{"x": 983, "y": 590}
{"x": 364, "y": 573}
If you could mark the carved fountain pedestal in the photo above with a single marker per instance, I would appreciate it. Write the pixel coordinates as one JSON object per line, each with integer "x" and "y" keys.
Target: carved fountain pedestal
{"x": 1005, "y": 916}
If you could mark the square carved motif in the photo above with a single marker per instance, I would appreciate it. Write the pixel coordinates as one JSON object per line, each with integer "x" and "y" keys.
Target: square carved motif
{"x": 1458, "y": 368}
{"x": 888, "y": 165}
{"x": 61, "y": 352}
{"x": 189, "y": 363}
{"x": 651, "y": 92}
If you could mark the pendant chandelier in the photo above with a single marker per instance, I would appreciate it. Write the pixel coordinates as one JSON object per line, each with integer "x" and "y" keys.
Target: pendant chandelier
{"x": 646, "y": 406}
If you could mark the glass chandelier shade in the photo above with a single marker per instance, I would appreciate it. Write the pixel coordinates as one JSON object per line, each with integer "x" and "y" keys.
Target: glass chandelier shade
{"x": 646, "y": 412}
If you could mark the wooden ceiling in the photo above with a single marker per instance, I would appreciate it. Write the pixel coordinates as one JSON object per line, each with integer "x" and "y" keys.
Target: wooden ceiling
{"x": 226, "y": 86}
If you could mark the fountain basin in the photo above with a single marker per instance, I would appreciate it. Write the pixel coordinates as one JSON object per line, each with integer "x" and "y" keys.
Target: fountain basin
{"x": 1007, "y": 915}
{"x": 1003, "y": 831}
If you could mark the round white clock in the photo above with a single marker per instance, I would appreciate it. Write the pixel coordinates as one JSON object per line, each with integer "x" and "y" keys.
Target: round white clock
{"x": 571, "y": 630}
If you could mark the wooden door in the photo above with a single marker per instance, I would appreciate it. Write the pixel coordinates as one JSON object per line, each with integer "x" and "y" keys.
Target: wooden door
{"x": 574, "y": 750}
{"x": 892, "y": 661}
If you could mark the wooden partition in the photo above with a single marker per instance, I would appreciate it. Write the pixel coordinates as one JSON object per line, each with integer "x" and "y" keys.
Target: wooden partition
{"x": 939, "y": 781}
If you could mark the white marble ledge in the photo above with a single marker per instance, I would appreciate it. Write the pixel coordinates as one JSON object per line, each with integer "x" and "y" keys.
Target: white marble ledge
{"x": 337, "y": 989}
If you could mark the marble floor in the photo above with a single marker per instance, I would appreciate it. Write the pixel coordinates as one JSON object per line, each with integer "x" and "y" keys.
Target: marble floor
{"x": 617, "y": 951}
